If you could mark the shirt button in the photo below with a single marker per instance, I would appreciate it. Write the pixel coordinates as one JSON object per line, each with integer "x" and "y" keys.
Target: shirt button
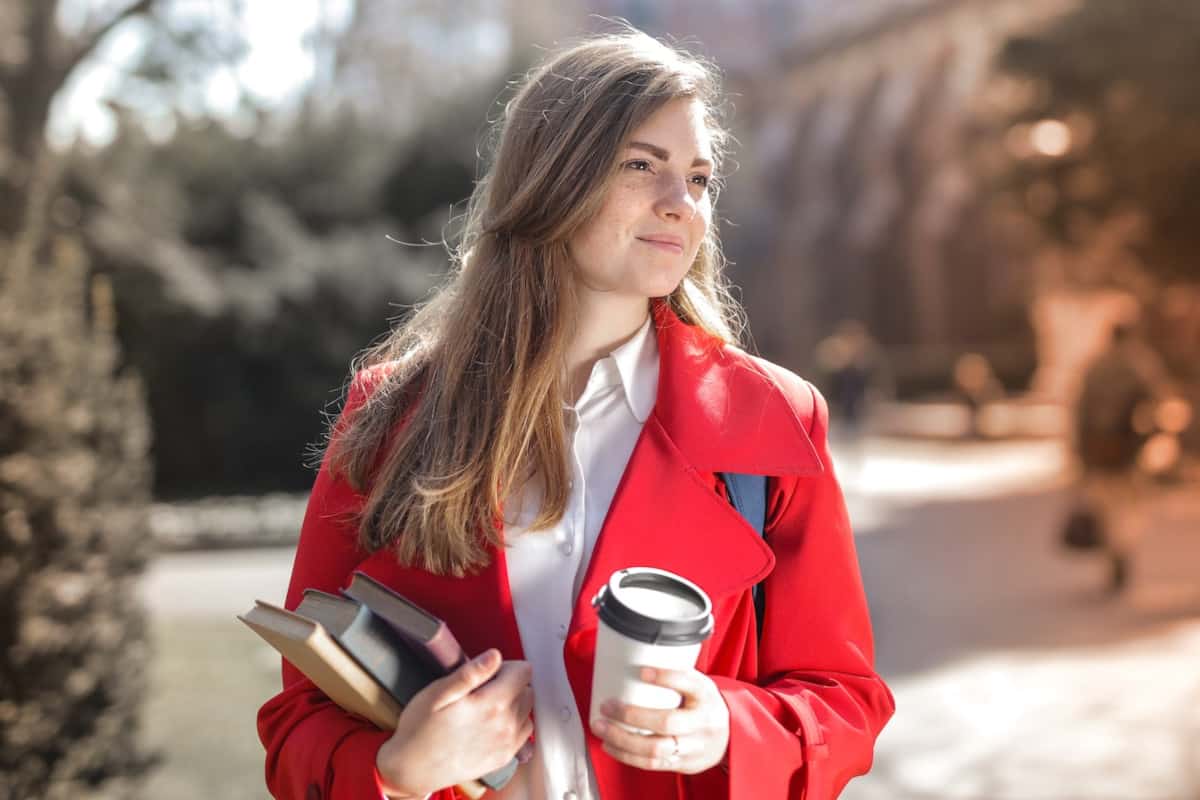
{"x": 568, "y": 548}
{"x": 562, "y": 632}
{"x": 570, "y": 794}
{"x": 565, "y": 712}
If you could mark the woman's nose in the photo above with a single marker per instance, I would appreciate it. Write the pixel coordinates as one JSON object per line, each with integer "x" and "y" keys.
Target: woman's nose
{"x": 674, "y": 200}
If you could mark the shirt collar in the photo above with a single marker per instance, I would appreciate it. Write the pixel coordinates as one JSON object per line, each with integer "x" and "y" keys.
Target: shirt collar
{"x": 632, "y": 368}
{"x": 637, "y": 364}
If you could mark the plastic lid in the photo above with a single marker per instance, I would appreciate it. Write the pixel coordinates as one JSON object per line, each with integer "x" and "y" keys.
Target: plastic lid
{"x": 684, "y": 613}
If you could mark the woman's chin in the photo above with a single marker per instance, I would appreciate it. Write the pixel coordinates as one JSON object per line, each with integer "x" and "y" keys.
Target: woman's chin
{"x": 660, "y": 286}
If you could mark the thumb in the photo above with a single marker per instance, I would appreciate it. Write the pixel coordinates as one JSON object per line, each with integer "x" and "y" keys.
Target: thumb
{"x": 468, "y": 677}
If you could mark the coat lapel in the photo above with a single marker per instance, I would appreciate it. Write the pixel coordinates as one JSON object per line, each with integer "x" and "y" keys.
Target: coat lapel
{"x": 714, "y": 412}
{"x": 725, "y": 410}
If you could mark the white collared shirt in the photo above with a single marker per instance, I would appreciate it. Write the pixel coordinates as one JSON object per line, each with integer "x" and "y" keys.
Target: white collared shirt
{"x": 546, "y": 568}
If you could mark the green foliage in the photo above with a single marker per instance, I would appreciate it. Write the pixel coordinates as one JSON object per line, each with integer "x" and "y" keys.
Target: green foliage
{"x": 249, "y": 270}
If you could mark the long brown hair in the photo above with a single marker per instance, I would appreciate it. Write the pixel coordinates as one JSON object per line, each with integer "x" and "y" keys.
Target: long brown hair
{"x": 476, "y": 375}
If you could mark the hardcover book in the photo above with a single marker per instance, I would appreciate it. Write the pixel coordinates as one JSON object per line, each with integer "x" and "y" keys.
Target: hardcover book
{"x": 372, "y": 642}
{"x": 424, "y": 632}
{"x": 310, "y": 648}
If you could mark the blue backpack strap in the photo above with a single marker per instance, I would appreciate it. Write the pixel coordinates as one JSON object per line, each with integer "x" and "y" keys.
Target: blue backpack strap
{"x": 748, "y": 493}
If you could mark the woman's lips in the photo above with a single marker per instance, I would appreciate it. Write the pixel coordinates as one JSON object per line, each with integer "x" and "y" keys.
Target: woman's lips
{"x": 670, "y": 247}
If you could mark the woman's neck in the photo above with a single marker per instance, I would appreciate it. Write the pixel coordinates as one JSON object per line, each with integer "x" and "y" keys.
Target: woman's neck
{"x": 605, "y": 321}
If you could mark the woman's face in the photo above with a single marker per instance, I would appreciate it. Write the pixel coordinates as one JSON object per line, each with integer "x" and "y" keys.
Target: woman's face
{"x": 656, "y": 212}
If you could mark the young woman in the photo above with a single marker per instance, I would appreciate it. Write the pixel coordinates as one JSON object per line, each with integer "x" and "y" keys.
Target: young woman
{"x": 561, "y": 410}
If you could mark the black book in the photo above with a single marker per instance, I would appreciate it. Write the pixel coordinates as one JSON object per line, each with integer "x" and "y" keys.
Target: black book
{"x": 426, "y": 634}
{"x": 370, "y": 641}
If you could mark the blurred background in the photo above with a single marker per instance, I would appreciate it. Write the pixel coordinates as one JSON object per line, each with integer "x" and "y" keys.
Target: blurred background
{"x": 971, "y": 222}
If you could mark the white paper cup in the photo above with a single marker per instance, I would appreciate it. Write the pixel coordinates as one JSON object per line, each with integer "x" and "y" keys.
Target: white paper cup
{"x": 648, "y": 618}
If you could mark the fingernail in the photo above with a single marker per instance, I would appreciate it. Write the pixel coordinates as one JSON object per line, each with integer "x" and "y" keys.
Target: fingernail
{"x": 648, "y": 673}
{"x": 599, "y": 727}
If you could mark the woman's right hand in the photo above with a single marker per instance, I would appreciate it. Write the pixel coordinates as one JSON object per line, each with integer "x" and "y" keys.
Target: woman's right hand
{"x": 456, "y": 729}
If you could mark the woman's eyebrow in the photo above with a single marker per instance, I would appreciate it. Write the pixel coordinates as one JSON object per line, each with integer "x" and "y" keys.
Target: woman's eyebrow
{"x": 665, "y": 155}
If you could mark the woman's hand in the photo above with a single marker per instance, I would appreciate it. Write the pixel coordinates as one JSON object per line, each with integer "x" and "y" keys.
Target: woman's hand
{"x": 456, "y": 728}
{"x": 688, "y": 739}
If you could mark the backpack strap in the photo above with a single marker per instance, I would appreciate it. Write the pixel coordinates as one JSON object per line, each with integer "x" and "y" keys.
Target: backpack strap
{"x": 748, "y": 494}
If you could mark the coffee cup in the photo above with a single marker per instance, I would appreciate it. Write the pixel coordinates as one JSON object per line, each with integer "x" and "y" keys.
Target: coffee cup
{"x": 648, "y": 618}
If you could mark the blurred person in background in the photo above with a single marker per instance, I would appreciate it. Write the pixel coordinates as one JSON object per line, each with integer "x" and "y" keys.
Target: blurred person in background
{"x": 853, "y": 371}
{"x": 585, "y": 339}
{"x": 977, "y": 385}
{"x": 1114, "y": 418}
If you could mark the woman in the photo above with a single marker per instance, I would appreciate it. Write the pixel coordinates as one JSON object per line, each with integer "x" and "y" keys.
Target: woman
{"x": 562, "y": 409}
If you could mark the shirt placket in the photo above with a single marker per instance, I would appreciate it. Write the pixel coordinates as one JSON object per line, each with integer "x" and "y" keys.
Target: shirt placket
{"x": 572, "y": 532}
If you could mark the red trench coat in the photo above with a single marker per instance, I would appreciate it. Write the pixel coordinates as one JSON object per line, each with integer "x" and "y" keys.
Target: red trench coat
{"x": 805, "y": 704}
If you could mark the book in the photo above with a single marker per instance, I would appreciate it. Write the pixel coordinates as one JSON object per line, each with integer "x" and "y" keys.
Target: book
{"x": 428, "y": 635}
{"x": 311, "y": 649}
{"x": 372, "y": 642}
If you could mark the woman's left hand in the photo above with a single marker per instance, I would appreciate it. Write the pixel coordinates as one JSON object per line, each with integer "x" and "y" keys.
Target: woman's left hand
{"x": 688, "y": 739}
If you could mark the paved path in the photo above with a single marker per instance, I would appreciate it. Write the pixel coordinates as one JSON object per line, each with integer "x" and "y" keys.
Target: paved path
{"x": 216, "y": 584}
{"x": 1015, "y": 677}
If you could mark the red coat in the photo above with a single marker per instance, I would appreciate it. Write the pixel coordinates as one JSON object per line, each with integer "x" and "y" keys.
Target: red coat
{"x": 805, "y": 705}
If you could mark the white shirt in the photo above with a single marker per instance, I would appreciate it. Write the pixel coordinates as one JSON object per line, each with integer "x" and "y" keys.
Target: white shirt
{"x": 546, "y": 567}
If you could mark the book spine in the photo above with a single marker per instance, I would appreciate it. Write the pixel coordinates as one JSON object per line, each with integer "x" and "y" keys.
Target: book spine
{"x": 445, "y": 649}
{"x": 442, "y": 654}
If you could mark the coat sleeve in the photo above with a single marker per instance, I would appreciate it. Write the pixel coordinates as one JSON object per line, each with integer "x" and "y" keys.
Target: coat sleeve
{"x": 808, "y": 724}
{"x": 315, "y": 750}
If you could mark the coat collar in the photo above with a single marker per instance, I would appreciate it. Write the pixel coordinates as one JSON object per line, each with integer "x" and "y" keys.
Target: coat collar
{"x": 723, "y": 409}
{"x": 636, "y": 364}
{"x": 717, "y": 410}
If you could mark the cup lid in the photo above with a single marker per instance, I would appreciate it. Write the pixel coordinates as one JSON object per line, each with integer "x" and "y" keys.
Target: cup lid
{"x": 619, "y": 605}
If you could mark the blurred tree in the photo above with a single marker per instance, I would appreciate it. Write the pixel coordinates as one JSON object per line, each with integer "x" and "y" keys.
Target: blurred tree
{"x": 247, "y": 272}
{"x": 1100, "y": 123}
{"x": 249, "y": 267}
{"x": 35, "y": 63}
{"x": 74, "y": 466}
{"x": 74, "y": 480}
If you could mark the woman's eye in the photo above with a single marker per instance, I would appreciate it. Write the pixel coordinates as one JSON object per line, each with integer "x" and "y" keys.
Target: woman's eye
{"x": 701, "y": 180}
{"x": 639, "y": 164}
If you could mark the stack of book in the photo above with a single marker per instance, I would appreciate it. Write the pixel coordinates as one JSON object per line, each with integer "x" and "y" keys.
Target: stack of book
{"x": 370, "y": 650}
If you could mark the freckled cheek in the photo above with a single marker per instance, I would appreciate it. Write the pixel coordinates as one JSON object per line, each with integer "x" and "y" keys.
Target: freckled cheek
{"x": 698, "y": 232}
